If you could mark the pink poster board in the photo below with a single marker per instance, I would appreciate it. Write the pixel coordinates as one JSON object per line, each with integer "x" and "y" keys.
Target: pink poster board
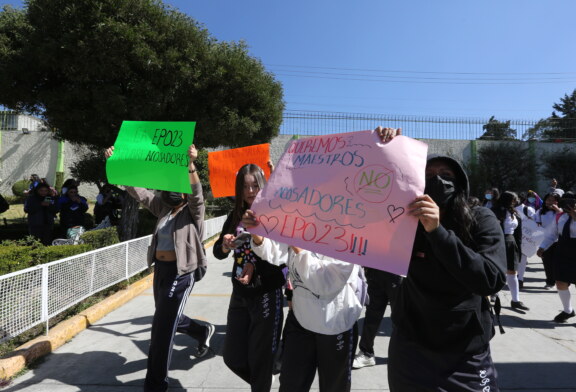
{"x": 346, "y": 196}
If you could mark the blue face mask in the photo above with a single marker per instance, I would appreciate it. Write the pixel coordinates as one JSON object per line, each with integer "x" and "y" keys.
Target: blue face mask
{"x": 531, "y": 200}
{"x": 488, "y": 196}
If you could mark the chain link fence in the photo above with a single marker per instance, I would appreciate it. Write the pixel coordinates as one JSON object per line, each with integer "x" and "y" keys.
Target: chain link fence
{"x": 34, "y": 295}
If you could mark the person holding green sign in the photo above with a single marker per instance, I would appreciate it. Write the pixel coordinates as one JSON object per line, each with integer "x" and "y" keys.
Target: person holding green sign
{"x": 179, "y": 261}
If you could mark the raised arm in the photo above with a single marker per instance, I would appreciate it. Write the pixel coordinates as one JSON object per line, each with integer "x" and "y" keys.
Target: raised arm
{"x": 196, "y": 205}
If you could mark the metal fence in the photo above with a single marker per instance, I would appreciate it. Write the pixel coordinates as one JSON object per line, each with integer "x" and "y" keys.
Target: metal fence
{"x": 34, "y": 295}
{"x": 311, "y": 123}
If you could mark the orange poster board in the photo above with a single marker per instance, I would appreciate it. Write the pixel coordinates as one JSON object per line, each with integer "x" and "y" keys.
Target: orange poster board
{"x": 223, "y": 166}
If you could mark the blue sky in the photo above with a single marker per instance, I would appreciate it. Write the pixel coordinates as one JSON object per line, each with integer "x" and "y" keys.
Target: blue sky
{"x": 508, "y": 58}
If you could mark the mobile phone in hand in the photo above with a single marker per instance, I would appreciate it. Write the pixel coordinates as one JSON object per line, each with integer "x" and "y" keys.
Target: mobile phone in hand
{"x": 242, "y": 238}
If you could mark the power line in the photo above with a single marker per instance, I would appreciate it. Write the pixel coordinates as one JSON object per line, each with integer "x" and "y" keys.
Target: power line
{"x": 424, "y": 78}
{"x": 426, "y": 82}
{"x": 422, "y": 72}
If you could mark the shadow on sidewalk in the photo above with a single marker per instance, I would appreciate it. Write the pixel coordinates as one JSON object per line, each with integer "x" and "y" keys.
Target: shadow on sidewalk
{"x": 85, "y": 371}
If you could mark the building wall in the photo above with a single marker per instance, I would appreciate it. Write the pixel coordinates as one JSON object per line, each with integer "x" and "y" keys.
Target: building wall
{"x": 36, "y": 152}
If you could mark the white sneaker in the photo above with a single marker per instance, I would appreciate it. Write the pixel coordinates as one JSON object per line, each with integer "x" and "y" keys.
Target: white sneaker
{"x": 363, "y": 359}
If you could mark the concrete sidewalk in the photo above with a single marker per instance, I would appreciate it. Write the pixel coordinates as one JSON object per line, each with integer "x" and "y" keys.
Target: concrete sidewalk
{"x": 534, "y": 354}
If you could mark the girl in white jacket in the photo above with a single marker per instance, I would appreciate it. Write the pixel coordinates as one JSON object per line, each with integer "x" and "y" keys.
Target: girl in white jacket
{"x": 320, "y": 331}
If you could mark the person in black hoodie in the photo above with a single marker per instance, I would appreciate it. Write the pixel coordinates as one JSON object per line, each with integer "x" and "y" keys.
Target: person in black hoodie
{"x": 255, "y": 315}
{"x": 41, "y": 209}
{"x": 442, "y": 317}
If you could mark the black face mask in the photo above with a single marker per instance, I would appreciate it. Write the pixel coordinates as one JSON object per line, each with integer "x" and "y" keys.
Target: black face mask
{"x": 441, "y": 189}
{"x": 171, "y": 199}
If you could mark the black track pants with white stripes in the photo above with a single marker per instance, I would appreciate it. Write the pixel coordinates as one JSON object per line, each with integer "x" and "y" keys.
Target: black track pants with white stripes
{"x": 252, "y": 337}
{"x": 305, "y": 351}
{"x": 170, "y": 294}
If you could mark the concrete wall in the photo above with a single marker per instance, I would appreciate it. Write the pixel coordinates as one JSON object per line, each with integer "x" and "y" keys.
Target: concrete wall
{"x": 36, "y": 152}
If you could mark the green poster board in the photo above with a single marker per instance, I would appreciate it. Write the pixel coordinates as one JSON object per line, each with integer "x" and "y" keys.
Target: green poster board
{"x": 152, "y": 154}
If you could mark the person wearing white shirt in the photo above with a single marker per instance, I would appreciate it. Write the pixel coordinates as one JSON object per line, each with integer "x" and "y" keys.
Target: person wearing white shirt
{"x": 525, "y": 212}
{"x": 563, "y": 230}
{"x": 545, "y": 217}
{"x": 321, "y": 327}
{"x": 512, "y": 228}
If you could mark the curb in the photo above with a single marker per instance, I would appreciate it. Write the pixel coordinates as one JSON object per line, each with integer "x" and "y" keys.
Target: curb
{"x": 67, "y": 329}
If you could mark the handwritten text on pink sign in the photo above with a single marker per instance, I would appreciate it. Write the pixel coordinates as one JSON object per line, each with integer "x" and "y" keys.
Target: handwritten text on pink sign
{"x": 346, "y": 196}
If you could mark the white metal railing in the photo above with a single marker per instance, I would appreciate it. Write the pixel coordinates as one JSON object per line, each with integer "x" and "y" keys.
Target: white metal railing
{"x": 34, "y": 295}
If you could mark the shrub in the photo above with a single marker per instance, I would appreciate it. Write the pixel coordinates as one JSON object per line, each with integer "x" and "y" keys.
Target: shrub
{"x": 19, "y": 187}
{"x": 17, "y": 257}
{"x": 14, "y": 258}
{"x": 47, "y": 254}
{"x": 101, "y": 238}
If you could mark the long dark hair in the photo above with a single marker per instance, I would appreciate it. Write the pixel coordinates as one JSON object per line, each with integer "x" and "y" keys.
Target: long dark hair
{"x": 240, "y": 206}
{"x": 544, "y": 209}
{"x": 506, "y": 203}
{"x": 459, "y": 217}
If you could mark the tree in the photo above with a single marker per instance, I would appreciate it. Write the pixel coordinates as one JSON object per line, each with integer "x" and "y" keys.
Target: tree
{"x": 87, "y": 65}
{"x": 560, "y": 165}
{"x": 497, "y": 130}
{"x": 504, "y": 165}
{"x": 559, "y": 126}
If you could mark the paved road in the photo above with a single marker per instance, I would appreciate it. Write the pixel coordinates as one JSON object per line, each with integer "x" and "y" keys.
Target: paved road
{"x": 534, "y": 355}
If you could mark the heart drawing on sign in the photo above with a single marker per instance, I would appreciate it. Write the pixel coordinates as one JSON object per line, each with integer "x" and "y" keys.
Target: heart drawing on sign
{"x": 394, "y": 212}
{"x": 268, "y": 223}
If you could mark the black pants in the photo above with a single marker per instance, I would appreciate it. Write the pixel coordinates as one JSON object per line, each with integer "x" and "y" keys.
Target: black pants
{"x": 252, "y": 336}
{"x": 414, "y": 368}
{"x": 170, "y": 294}
{"x": 305, "y": 351}
{"x": 548, "y": 261}
{"x": 43, "y": 233}
{"x": 382, "y": 288}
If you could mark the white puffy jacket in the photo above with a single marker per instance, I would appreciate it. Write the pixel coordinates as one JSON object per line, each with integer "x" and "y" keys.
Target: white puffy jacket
{"x": 325, "y": 296}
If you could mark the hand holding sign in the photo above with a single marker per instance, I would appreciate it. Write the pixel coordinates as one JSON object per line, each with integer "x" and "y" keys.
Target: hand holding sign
{"x": 152, "y": 155}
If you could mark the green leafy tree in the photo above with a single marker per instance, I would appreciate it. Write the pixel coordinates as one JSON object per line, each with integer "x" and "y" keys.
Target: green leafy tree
{"x": 560, "y": 165}
{"x": 504, "y": 165}
{"x": 497, "y": 130}
{"x": 561, "y": 125}
{"x": 87, "y": 65}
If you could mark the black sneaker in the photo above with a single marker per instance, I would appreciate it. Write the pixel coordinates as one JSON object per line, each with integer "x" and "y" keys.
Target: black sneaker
{"x": 204, "y": 345}
{"x": 521, "y": 284}
{"x": 518, "y": 305}
{"x": 563, "y": 317}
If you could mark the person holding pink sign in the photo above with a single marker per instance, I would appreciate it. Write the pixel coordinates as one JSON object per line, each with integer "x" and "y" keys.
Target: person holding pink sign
{"x": 255, "y": 314}
{"x": 442, "y": 317}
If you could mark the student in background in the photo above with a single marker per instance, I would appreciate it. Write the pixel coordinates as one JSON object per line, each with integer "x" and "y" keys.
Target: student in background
{"x": 545, "y": 217}
{"x": 490, "y": 197}
{"x": 72, "y": 209}
{"x": 525, "y": 212}
{"x": 41, "y": 209}
{"x": 563, "y": 231}
{"x": 511, "y": 224}
{"x": 382, "y": 288}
